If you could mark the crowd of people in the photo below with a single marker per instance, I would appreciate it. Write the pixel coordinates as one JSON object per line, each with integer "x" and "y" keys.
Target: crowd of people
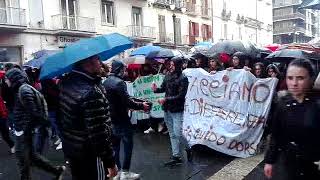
{"x": 86, "y": 111}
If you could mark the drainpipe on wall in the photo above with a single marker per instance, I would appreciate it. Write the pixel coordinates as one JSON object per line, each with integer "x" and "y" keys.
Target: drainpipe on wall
{"x": 212, "y": 39}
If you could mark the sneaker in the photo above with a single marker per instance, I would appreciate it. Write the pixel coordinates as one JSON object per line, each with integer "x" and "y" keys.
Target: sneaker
{"x": 160, "y": 127}
{"x": 61, "y": 170}
{"x": 57, "y": 142}
{"x": 148, "y": 130}
{"x": 173, "y": 162}
{"x": 59, "y": 147}
{"x": 127, "y": 175}
{"x": 13, "y": 150}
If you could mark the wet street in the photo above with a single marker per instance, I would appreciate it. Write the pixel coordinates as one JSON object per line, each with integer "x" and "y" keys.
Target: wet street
{"x": 150, "y": 152}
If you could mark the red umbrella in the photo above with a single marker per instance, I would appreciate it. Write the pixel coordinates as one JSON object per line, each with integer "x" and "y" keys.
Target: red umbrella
{"x": 273, "y": 47}
{"x": 2, "y": 73}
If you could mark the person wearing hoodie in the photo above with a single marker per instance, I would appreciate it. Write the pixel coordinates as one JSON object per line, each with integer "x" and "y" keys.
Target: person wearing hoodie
{"x": 175, "y": 86}
{"x": 26, "y": 117}
{"x": 120, "y": 102}
{"x": 84, "y": 122}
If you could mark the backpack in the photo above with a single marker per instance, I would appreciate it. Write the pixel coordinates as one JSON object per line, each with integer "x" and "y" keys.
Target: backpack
{"x": 40, "y": 102}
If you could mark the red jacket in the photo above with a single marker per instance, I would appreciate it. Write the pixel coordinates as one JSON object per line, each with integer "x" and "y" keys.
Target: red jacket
{"x": 3, "y": 109}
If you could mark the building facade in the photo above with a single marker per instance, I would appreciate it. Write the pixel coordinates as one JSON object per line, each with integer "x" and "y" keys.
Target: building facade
{"x": 292, "y": 24}
{"x": 27, "y": 26}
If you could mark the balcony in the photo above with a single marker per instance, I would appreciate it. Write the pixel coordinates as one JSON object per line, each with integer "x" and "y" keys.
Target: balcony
{"x": 288, "y": 30}
{"x": 141, "y": 32}
{"x": 191, "y": 9}
{"x": 12, "y": 19}
{"x": 296, "y": 15}
{"x": 73, "y": 25}
{"x": 287, "y": 3}
{"x": 206, "y": 12}
{"x": 166, "y": 3}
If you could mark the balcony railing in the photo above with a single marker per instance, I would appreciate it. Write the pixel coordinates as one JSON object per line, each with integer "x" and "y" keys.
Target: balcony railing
{"x": 144, "y": 32}
{"x": 191, "y": 8}
{"x": 178, "y": 3}
{"x": 206, "y": 12}
{"x": 287, "y": 3}
{"x": 288, "y": 30}
{"x": 13, "y": 16}
{"x": 73, "y": 23}
{"x": 296, "y": 15}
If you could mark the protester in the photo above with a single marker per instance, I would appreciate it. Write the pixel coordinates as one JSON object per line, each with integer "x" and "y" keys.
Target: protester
{"x": 273, "y": 71}
{"x": 238, "y": 60}
{"x": 50, "y": 91}
{"x": 4, "y": 129}
{"x": 29, "y": 111}
{"x": 295, "y": 125}
{"x": 214, "y": 64}
{"x": 84, "y": 122}
{"x": 258, "y": 70}
{"x": 175, "y": 86}
{"x": 120, "y": 102}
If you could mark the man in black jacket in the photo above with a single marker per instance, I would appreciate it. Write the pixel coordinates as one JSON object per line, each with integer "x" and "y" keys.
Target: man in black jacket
{"x": 120, "y": 102}
{"x": 175, "y": 86}
{"x": 26, "y": 116}
{"x": 84, "y": 122}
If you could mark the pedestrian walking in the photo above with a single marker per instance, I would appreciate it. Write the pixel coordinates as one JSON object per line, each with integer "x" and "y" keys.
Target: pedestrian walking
{"x": 295, "y": 125}
{"x": 84, "y": 122}
{"x": 120, "y": 102}
{"x": 29, "y": 111}
{"x": 175, "y": 86}
{"x": 4, "y": 128}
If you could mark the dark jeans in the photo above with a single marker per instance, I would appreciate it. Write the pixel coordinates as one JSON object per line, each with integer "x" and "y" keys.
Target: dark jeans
{"x": 41, "y": 134}
{"x": 26, "y": 157}
{"x": 53, "y": 121}
{"x": 124, "y": 135}
{"x": 297, "y": 168}
{"x": 87, "y": 167}
{"x": 4, "y": 129}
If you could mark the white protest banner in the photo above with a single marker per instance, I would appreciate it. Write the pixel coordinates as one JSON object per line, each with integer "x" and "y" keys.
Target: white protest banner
{"x": 227, "y": 111}
{"x": 141, "y": 88}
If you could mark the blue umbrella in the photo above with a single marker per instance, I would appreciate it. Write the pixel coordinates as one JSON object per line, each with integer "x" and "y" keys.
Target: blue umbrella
{"x": 206, "y": 44}
{"x": 145, "y": 50}
{"x": 39, "y": 58}
{"x": 105, "y": 47}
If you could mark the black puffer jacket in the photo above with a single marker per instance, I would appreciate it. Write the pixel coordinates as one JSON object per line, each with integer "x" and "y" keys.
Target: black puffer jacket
{"x": 298, "y": 123}
{"x": 24, "y": 116}
{"x": 175, "y": 86}
{"x": 117, "y": 94}
{"x": 84, "y": 118}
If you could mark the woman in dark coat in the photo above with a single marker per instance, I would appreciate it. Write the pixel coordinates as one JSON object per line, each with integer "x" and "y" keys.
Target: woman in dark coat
{"x": 295, "y": 125}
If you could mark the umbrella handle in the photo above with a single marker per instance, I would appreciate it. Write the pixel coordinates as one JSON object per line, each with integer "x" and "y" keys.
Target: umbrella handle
{"x": 160, "y": 68}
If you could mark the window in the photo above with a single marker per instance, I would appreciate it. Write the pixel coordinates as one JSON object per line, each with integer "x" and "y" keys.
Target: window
{"x": 206, "y": 32}
{"x": 10, "y": 54}
{"x": 162, "y": 28}
{"x": 107, "y": 12}
{"x": 136, "y": 16}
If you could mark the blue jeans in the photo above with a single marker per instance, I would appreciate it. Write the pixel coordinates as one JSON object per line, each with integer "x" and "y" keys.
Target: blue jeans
{"x": 52, "y": 116}
{"x": 174, "y": 124}
{"x": 41, "y": 134}
{"x": 124, "y": 135}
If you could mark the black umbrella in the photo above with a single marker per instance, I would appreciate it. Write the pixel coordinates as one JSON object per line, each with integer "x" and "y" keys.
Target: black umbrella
{"x": 289, "y": 54}
{"x": 164, "y": 53}
{"x": 230, "y": 47}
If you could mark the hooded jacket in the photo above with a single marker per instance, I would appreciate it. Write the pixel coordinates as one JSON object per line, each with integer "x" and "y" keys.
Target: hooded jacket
{"x": 24, "y": 116}
{"x": 175, "y": 86}
{"x": 84, "y": 118}
{"x": 117, "y": 94}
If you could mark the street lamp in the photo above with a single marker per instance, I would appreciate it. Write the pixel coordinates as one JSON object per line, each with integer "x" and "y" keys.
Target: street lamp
{"x": 294, "y": 33}
{"x": 172, "y": 8}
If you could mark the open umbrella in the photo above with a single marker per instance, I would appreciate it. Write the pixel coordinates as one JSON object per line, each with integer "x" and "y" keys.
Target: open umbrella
{"x": 105, "y": 47}
{"x": 289, "y": 54}
{"x": 145, "y": 50}
{"x": 39, "y": 58}
{"x": 230, "y": 47}
{"x": 164, "y": 53}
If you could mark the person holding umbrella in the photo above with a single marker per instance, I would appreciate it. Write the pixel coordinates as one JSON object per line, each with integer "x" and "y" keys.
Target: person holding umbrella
{"x": 84, "y": 122}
